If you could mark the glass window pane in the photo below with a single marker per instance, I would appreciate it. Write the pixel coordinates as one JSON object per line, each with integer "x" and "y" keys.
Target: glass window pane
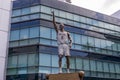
{"x": 101, "y": 24}
{"x": 72, "y": 63}
{"x": 11, "y": 71}
{"x": 54, "y": 34}
{"x": 34, "y": 32}
{"x": 97, "y": 42}
{"x": 103, "y": 44}
{"x": 25, "y": 11}
{"x": 16, "y": 19}
{"x": 12, "y": 61}
{"x": 35, "y": 9}
{"x": 106, "y": 26}
{"x": 89, "y": 21}
{"x": 112, "y": 27}
{"x": 14, "y": 35}
{"x": 77, "y": 24}
{"x": 54, "y": 43}
{"x": 84, "y": 40}
{"x": 83, "y": 25}
{"x": 117, "y": 67}
{"x": 118, "y": 46}
{"x": 84, "y": 48}
{"x": 24, "y": 33}
{"x": 102, "y": 30}
{"x": 93, "y": 65}
{"x": 77, "y": 39}
{"x": 13, "y": 44}
{"x": 44, "y": 16}
{"x": 104, "y": 51}
{"x": 46, "y": 9}
{"x": 24, "y": 18}
{"x": 118, "y": 76}
{"x": 107, "y": 75}
{"x": 78, "y": 47}
{"x": 22, "y": 60}
{"x": 44, "y": 59}
{"x": 16, "y": 12}
{"x": 82, "y": 19}
{"x": 98, "y": 50}
{"x": 106, "y": 67}
{"x": 24, "y": 42}
{"x": 100, "y": 74}
{"x": 70, "y": 22}
{"x": 114, "y": 46}
{"x": 45, "y": 32}
{"x": 32, "y": 59}
{"x": 95, "y": 22}
{"x": 99, "y": 66}
{"x": 91, "y": 41}
{"x": 44, "y": 70}
{"x": 112, "y": 68}
{"x": 62, "y": 20}
{"x": 34, "y": 16}
{"x": 22, "y": 71}
{"x": 92, "y": 49}
{"x": 69, "y": 16}
{"x": 86, "y": 64}
{"x": 62, "y": 14}
{"x": 34, "y": 41}
{"x": 76, "y": 17}
{"x": 45, "y": 41}
{"x": 79, "y": 63}
{"x": 55, "y": 70}
{"x": 33, "y": 70}
{"x": 109, "y": 45}
{"x": 55, "y": 61}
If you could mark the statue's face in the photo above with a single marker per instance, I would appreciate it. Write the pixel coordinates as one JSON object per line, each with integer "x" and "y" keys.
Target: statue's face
{"x": 61, "y": 26}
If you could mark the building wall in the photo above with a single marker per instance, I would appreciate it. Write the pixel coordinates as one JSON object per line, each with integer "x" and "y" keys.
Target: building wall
{"x": 116, "y": 14}
{"x": 33, "y": 44}
{"x": 5, "y": 6}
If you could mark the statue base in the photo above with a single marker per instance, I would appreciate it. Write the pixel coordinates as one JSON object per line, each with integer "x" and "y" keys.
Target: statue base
{"x": 66, "y": 76}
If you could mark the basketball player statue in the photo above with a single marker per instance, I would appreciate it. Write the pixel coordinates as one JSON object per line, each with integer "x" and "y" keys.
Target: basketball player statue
{"x": 64, "y": 44}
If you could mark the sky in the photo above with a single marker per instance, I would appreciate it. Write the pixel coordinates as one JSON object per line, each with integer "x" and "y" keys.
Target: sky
{"x": 103, "y": 6}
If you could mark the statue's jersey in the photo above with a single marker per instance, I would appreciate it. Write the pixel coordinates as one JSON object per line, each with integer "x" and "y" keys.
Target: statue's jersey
{"x": 63, "y": 43}
{"x": 62, "y": 37}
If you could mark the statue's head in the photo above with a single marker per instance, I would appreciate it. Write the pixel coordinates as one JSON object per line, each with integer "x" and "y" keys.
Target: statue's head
{"x": 61, "y": 26}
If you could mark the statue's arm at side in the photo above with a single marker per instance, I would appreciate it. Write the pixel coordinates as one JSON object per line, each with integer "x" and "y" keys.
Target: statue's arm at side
{"x": 54, "y": 23}
{"x": 70, "y": 39}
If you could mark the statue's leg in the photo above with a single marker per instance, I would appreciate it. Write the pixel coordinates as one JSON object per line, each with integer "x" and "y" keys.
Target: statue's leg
{"x": 60, "y": 51}
{"x": 60, "y": 63}
{"x": 67, "y": 55}
{"x": 68, "y": 63}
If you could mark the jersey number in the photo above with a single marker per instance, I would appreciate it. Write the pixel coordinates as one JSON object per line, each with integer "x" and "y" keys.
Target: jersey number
{"x": 62, "y": 37}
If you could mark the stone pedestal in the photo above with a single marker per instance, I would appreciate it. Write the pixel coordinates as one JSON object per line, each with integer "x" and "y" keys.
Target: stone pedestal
{"x": 65, "y": 76}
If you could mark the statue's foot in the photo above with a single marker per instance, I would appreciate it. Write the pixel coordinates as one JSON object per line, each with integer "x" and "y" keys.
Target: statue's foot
{"x": 68, "y": 71}
{"x": 60, "y": 70}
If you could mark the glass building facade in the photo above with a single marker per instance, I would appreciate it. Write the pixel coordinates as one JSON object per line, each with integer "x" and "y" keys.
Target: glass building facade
{"x": 33, "y": 44}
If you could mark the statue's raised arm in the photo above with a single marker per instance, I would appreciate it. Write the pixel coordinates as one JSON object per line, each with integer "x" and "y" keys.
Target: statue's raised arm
{"x": 54, "y": 22}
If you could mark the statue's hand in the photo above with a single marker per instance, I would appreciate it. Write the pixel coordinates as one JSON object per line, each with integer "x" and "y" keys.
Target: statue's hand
{"x": 52, "y": 12}
{"x": 70, "y": 45}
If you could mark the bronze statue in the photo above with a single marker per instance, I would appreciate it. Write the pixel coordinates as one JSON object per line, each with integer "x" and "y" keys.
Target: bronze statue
{"x": 64, "y": 44}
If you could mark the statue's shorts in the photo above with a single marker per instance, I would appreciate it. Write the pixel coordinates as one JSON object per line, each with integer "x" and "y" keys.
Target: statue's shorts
{"x": 63, "y": 49}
